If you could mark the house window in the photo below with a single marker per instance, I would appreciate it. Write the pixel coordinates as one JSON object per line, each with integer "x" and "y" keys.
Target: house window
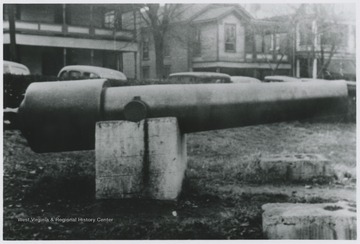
{"x": 146, "y": 72}
{"x": 306, "y": 34}
{"x": 145, "y": 49}
{"x": 197, "y": 43}
{"x": 258, "y": 43}
{"x": 109, "y": 19}
{"x": 249, "y": 41}
{"x": 268, "y": 43}
{"x": 230, "y": 37}
{"x": 281, "y": 42}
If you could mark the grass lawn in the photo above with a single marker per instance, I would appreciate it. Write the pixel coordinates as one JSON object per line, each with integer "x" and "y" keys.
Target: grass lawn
{"x": 215, "y": 202}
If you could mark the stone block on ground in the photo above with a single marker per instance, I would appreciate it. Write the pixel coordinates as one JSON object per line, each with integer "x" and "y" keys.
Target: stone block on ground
{"x": 288, "y": 168}
{"x": 145, "y": 159}
{"x": 324, "y": 221}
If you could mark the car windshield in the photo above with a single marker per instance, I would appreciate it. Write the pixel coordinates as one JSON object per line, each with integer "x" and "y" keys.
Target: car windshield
{"x": 63, "y": 75}
{"x": 73, "y": 74}
{"x": 90, "y": 75}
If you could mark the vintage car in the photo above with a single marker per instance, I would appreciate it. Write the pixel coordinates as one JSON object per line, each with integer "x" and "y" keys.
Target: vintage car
{"x": 77, "y": 72}
{"x": 244, "y": 79}
{"x": 14, "y": 68}
{"x": 280, "y": 78}
{"x": 198, "y": 78}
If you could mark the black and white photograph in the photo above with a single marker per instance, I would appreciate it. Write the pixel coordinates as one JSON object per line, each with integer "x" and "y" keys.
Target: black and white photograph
{"x": 179, "y": 120}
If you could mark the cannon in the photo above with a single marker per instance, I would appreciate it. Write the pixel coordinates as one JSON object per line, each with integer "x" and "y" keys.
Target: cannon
{"x": 139, "y": 132}
{"x": 61, "y": 116}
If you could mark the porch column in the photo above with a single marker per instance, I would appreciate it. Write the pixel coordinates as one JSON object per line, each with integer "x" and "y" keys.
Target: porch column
{"x": 297, "y": 67}
{"x": 314, "y": 70}
{"x": 92, "y": 57}
{"x": 119, "y": 61}
{"x": 253, "y": 47}
{"x": 64, "y": 56}
{"x": 136, "y": 65}
{"x": 273, "y": 46}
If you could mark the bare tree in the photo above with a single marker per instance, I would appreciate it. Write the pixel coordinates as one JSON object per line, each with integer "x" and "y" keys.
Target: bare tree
{"x": 315, "y": 28}
{"x": 324, "y": 37}
{"x": 281, "y": 33}
{"x": 157, "y": 20}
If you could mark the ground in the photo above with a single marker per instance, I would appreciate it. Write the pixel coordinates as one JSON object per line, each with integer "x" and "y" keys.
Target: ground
{"x": 42, "y": 191}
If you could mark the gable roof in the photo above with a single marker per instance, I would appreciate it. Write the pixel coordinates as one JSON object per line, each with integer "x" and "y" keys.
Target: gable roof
{"x": 188, "y": 11}
{"x": 217, "y": 12}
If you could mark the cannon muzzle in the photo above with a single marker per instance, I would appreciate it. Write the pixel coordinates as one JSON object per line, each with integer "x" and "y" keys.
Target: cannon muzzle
{"x": 61, "y": 116}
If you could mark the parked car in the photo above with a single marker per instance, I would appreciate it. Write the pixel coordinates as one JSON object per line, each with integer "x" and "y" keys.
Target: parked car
{"x": 198, "y": 77}
{"x": 79, "y": 72}
{"x": 244, "y": 79}
{"x": 311, "y": 80}
{"x": 14, "y": 68}
{"x": 280, "y": 78}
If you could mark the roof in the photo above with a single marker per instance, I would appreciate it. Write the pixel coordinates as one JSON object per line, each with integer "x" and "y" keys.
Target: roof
{"x": 219, "y": 11}
{"x": 188, "y": 11}
{"x": 102, "y": 72}
{"x": 330, "y": 11}
{"x": 206, "y": 12}
{"x": 267, "y": 10}
{"x": 285, "y": 17}
{"x": 244, "y": 79}
{"x": 213, "y": 13}
{"x": 200, "y": 74}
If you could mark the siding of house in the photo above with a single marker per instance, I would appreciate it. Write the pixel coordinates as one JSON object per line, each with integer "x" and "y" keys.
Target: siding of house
{"x": 208, "y": 42}
{"x": 129, "y": 65}
{"x": 150, "y": 61}
{"x": 37, "y": 13}
{"x": 178, "y": 45}
{"x": 80, "y": 15}
{"x": 45, "y": 47}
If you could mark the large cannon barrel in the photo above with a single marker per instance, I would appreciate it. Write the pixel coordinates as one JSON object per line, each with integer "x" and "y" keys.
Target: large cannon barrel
{"x": 61, "y": 116}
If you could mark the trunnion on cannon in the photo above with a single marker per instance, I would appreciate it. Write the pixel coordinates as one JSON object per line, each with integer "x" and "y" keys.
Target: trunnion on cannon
{"x": 61, "y": 116}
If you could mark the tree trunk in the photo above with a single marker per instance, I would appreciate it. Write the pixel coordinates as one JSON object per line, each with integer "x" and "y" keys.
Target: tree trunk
{"x": 13, "y": 51}
{"x": 159, "y": 55}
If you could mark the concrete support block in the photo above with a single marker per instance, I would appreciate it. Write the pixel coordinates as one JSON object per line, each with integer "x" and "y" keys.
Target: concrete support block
{"x": 325, "y": 221}
{"x": 290, "y": 168}
{"x": 145, "y": 159}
